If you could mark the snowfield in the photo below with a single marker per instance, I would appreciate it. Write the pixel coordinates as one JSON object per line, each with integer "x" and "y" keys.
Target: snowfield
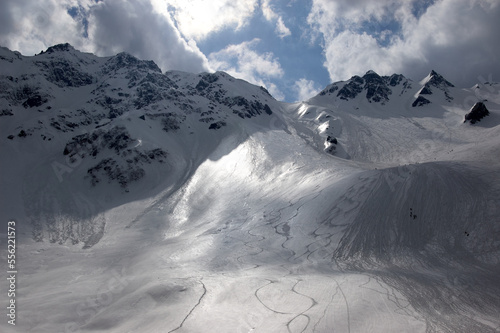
{"x": 339, "y": 214}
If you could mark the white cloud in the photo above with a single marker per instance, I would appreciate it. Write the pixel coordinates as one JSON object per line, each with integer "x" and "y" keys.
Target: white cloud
{"x": 456, "y": 37}
{"x": 196, "y": 19}
{"x": 305, "y": 89}
{"x": 274, "y": 90}
{"x": 332, "y": 17}
{"x": 113, "y": 26}
{"x": 268, "y": 11}
{"x": 349, "y": 53}
{"x": 242, "y": 61}
{"x": 281, "y": 29}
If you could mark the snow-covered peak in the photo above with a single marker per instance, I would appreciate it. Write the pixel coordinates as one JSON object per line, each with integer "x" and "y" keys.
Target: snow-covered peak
{"x": 8, "y": 55}
{"x": 372, "y": 86}
{"x": 65, "y": 52}
{"x": 437, "y": 80}
{"x": 66, "y": 47}
{"x": 432, "y": 83}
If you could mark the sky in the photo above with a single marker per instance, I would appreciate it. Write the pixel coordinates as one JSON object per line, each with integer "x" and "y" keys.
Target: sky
{"x": 294, "y": 48}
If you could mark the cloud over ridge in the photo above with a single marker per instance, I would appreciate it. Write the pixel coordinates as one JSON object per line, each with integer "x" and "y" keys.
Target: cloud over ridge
{"x": 443, "y": 34}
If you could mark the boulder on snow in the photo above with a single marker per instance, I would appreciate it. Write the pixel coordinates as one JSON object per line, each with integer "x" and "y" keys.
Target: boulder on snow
{"x": 332, "y": 140}
{"x": 476, "y": 113}
{"x": 217, "y": 125}
{"x": 35, "y": 100}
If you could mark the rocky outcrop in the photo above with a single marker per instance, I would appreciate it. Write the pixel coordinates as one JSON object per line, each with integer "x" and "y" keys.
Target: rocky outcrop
{"x": 476, "y": 113}
{"x": 378, "y": 89}
{"x": 420, "y": 101}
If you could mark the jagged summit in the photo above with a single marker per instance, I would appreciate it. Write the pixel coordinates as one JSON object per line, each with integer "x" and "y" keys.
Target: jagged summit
{"x": 434, "y": 82}
{"x": 388, "y": 89}
{"x": 437, "y": 80}
{"x": 66, "y": 47}
{"x": 378, "y": 88}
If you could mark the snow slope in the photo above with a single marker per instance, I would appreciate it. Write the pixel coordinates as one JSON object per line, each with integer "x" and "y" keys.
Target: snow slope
{"x": 350, "y": 212}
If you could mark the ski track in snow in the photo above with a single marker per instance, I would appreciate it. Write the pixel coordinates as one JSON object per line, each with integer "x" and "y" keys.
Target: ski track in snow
{"x": 278, "y": 250}
{"x": 191, "y": 311}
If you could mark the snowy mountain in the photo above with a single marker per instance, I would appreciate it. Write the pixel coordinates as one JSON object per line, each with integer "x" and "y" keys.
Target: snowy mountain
{"x": 114, "y": 121}
{"x": 162, "y": 202}
{"x": 365, "y": 118}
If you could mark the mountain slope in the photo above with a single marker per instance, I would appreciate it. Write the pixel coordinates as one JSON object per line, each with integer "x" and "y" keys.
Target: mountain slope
{"x": 178, "y": 202}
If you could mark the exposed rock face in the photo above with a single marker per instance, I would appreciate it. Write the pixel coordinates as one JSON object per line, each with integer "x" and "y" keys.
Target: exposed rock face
{"x": 125, "y": 61}
{"x": 113, "y": 169}
{"x": 59, "y": 48}
{"x": 119, "y": 84}
{"x": 395, "y": 79}
{"x": 34, "y": 100}
{"x": 426, "y": 90}
{"x": 351, "y": 89}
{"x": 476, "y": 113}
{"x": 378, "y": 88}
{"x": 438, "y": 81}
{"x": 420, "y": 101}
{"x": 65, "y": 74}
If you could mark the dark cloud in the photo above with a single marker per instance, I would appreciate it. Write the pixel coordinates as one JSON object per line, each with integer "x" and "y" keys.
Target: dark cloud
{"x": 6, "y": 18}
